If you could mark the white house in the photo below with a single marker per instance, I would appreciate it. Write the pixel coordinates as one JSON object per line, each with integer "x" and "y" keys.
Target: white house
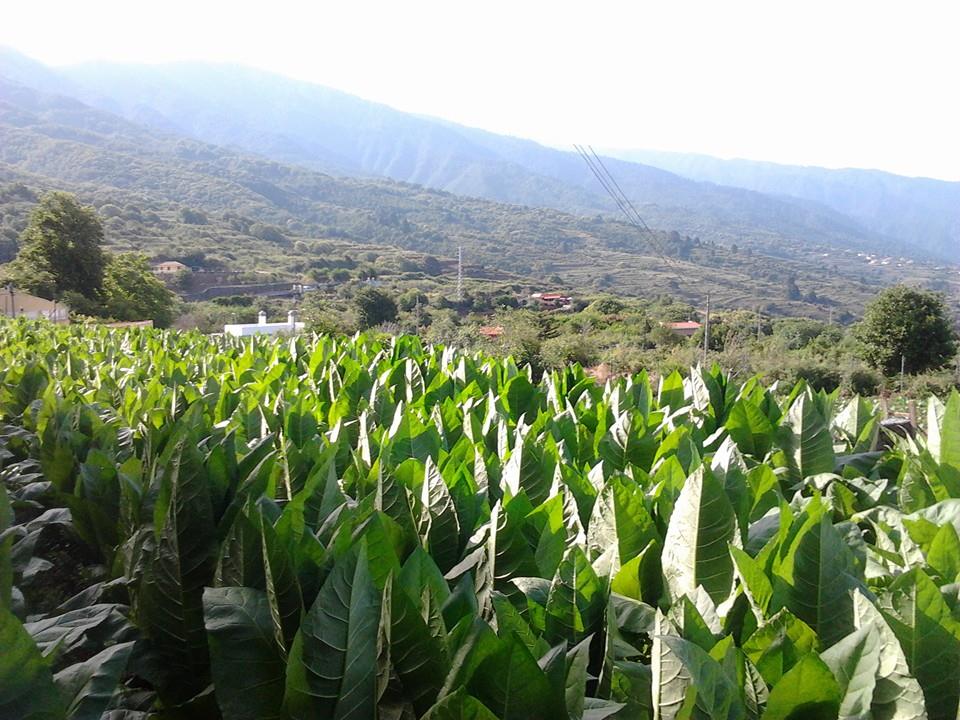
{"x": 14, "y": 303}
{"x": 170, "y": 267}
{"x": 262, "y": 327}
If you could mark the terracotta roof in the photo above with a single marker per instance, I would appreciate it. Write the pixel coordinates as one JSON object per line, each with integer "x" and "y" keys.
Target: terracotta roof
{"x": 685, "y": 325}
{"x": 491, "y": 331}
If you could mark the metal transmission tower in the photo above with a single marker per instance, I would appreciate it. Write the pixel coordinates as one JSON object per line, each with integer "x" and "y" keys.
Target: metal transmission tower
{"x": 460, "y": 273}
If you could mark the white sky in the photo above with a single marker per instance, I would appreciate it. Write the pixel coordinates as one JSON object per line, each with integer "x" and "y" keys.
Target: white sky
{"x": 838, "y": 83}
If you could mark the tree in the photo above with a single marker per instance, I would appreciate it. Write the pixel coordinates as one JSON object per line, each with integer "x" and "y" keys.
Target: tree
{"x": 374, "y": 307}
{"x": 792, "y": 291}
{"x": 132, "y": 292}
{"x": 907, "y": 322}
{"x": 60, "y": 250}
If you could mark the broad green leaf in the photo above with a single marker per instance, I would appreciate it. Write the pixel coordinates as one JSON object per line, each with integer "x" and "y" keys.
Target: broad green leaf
{"x": 715, "y": 694}
{"x": 620, "y": 518}
{"x": 950, "y": 432}
{"x": 6, "y": 543}
{"x": 753, "y": 579}
{"x": 576, "y": 600}
{"x": 750, "y": 429}
{"x": 245, "y": 660}
{"x": 944, "y": 553}
{"x": 776, "y": 646}
{"x": 183, "y": 561}
{"x": 855, "y": 662}
{"x": 805, "y": 438}
{"x": 807, "y": 692}
{"x": 459, "y": 706}
{"x": 897, "y": 695}
{"x": 418, "y": 656}
{"x": 929, "y": 636}
{"x": 695, "y": 548}
{"x": 671, "y": 683}
{"x": 510, "y": 682}
{"x": 90, "y": 686}
{"x": 333, "y": 663}
{"x": 817, "y": 587}
{"x": 442, "y": 526}
{"x": 26, "y": 684}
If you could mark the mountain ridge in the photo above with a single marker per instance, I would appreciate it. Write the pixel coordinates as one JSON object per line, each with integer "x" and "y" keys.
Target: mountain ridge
{"x": 260, "y": 214}
{"x": 909, "y": 207}
{"x": 334, "y": 132}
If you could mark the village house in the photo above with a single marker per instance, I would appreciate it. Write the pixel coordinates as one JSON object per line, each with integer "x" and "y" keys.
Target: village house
{"x": 14, "y": 303}
{"x": 553, "y": 301}
{"x": 687, "y": 328}
{"x": 491, "y": 332}
{"x": 262, "y": 327}
{"x": 169, "y": 267}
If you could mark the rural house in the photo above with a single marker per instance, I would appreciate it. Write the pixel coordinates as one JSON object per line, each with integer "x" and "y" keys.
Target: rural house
{"x": 687, "y": 328}
{"x": 169, "y": 267}
{"x": 14, "y": 303}
{"x": 262, "y": 327}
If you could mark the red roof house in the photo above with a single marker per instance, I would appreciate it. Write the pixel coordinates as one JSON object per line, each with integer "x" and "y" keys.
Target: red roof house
{"x": 685, "y": 328}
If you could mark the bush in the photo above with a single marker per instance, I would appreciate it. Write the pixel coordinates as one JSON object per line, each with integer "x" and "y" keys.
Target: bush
{"x": 607, "y": 306}
{"x": 565, "y": 350}
{"x": 818, "y": 375}
{"x": 937, "y": 382}
{"x": 861, "y": 380}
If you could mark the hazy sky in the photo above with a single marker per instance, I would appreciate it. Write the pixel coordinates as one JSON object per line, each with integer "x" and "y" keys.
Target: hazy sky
{"x": 835, "y": 83}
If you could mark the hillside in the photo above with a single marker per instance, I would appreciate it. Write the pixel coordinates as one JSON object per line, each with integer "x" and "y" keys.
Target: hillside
{"x": 919, "y": 210}
{"x": 171, "y": 196}
{"x": 331, "y": 131}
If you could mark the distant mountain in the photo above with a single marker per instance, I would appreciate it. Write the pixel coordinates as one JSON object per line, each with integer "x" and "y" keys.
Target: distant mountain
{"x": 327, "y": 130}
{"x": 919, "y": 210}
{"x": 173, "y": 196}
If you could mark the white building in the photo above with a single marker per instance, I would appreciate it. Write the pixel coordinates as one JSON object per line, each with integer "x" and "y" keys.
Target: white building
{"x": 262, "y": 327}
{"x": 14, "y": 303}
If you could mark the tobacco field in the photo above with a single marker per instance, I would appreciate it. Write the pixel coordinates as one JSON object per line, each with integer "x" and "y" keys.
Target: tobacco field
{"x": 358, "y": 528}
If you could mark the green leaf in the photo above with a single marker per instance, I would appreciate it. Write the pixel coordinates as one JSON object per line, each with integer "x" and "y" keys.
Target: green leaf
{"x": 521, "y": 398}
{"x": 89, "y": 686}
{"x": 459, "y": 706}
{"x": 419, "y": 657}
{"x": 26, "y": 684}
{"x": 807, "y": 692}
{"x": 805, "y": 438}
{"x": 929, "y": 636}
{"x": 332, "y": 670}
{"x": 576, "y": 600}
{"x": 715, "y": 694}
{"x": 671, "y": 682}
{"x": 695, "y": 553}
{"x": 897, "y": 695}
{"x": 440, "y": 518}
{"x": 750, "y": 429}
{"x": 183, "y": 562}
{"x": 620, "y": 518}
{"x": 950, "y": 432}
{"x": 510, "y": 682}
{"x": 6, "y": 543}
{"x": 815, "y": 581}
{"x": 247, "y": 667}
{"x": 855, "y": 661}
{"x": 754, "y": 581}
{"x": 776, "y": 646}
{"x": 944, "y": 553}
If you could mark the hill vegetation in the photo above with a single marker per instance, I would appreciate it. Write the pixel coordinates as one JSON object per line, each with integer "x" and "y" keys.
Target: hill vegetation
{"x": 333, "y": 132}
{"x": 176, "y": 198}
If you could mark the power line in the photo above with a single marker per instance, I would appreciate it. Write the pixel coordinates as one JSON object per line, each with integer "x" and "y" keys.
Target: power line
{"x": 623, "y": 203}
